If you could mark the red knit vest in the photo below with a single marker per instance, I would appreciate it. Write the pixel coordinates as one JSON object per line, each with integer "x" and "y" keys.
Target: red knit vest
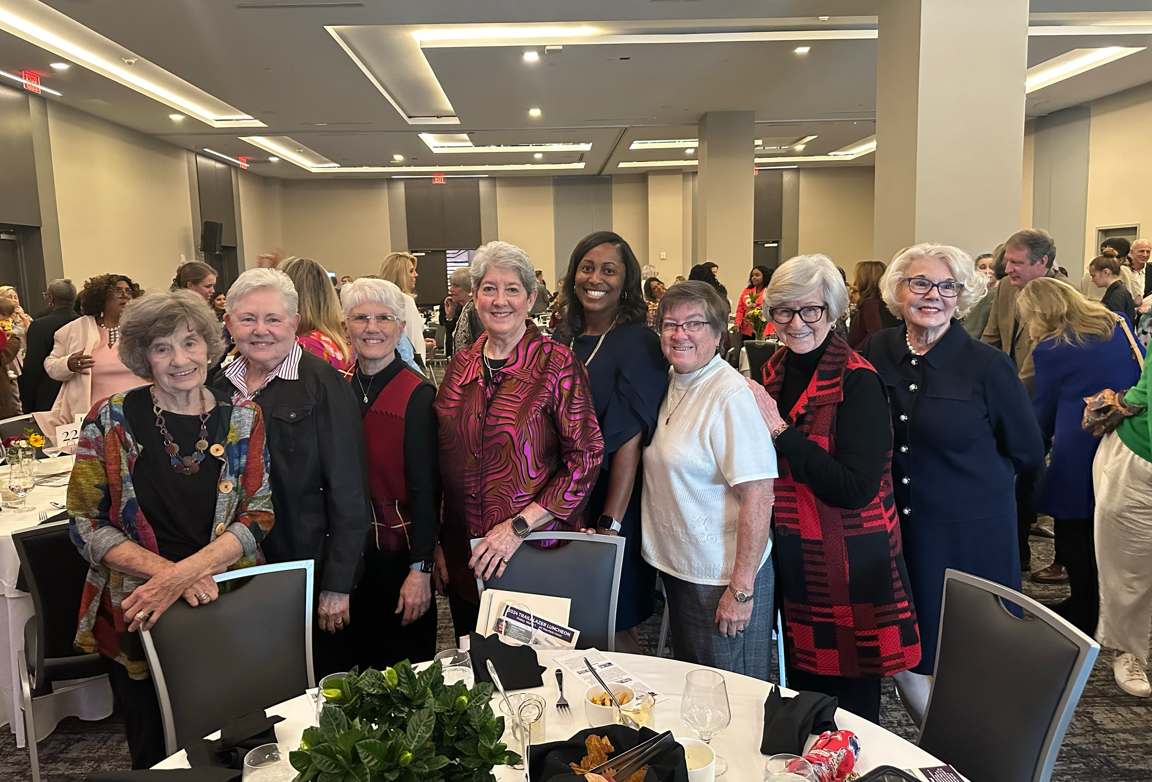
{"x": 387, "y": 475}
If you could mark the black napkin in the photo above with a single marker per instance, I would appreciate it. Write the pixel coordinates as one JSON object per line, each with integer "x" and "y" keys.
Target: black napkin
{"x": 236, "y": 739}
{"x": 517, "y": 666}
{"x": 167, "y": 775}
{"x": 788, "y": 723}
{"x": 549, "y": 762}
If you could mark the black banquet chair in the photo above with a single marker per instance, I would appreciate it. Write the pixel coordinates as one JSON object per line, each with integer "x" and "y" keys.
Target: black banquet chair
{"x": 1005, "y": 687}
{"x": 246, "y": 651}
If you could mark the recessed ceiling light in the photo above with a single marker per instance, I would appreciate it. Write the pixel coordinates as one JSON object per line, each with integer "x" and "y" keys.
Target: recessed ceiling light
{"x": 799, "y": 147}
{"x": 273, "y": 159}
{"x": 822, "y": 18}
{"x": 397, "y": 158}
{"x": 176, "y": 117}
{"x": 538, "y": 155}
{"x": 802, "y": 49}
{"x": 689, "y": 151}
{"x": 59, "y": 66}
{"x": 531, "y": 55}
{"x": 533, "y": 112}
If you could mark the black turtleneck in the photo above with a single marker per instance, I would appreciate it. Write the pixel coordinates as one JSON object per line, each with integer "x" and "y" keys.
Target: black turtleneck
{"x": 862, "y": 432}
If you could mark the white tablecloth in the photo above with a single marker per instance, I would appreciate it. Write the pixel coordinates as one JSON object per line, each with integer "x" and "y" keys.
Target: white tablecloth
{"x": 739, "y": 744}
{"x": 90, "y": 703}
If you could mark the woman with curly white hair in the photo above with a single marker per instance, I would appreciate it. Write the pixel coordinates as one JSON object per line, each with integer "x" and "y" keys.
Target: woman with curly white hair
{"x": 963, "y": 430}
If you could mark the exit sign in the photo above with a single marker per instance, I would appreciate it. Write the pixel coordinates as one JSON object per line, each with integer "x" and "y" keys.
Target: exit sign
{"x": 31, "y": 81}
{"x": 437, "y": 179}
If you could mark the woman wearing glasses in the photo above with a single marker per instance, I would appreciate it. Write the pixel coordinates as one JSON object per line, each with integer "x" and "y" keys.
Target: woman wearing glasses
{"x": 848, "y": 617}
{"x": 964, "y": 428}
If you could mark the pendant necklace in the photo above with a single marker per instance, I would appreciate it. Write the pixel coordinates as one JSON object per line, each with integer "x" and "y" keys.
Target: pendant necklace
{"x": 187, "y": 464}
{"x": 600, "y": 342}
{"x": 361, "y": 384}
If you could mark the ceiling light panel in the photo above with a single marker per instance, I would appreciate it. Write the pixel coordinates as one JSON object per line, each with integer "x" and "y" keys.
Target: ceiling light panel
{"x": 1073, "y": 63}
{"x": 57, "y": 33}
{"x": 455, "y": 147}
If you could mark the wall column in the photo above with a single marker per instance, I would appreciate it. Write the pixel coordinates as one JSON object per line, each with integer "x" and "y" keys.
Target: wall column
{"x": 949, "y": 122}
{"x": 726, "y": 195}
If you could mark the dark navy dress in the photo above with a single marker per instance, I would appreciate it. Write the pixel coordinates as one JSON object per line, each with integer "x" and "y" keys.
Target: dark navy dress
{"x": 628, "y": 375}
{"x": 963, "y": 428}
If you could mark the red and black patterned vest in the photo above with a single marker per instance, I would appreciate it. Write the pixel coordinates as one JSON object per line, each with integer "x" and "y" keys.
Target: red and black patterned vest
{"x": 388, "y": 478}
{"x": 847, "y": 608}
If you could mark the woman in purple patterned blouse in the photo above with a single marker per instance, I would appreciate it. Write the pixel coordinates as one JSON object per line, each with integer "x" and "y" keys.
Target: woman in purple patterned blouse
{"x": 520, "y": 447}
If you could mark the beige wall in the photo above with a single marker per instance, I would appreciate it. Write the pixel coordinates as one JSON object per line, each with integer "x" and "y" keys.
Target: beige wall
{"x": 1027, "y": 183}
{"x": 1120, "y": 159}
{"x": 630, "y": 213}
{"x": 261, "y": 224}
{"x": 123, "y": 199}
{"x": 666, "y": 222}
{"x": 341, "y": 224}
{"x": 836, "y": 214}
{"x": 524, "y": 218}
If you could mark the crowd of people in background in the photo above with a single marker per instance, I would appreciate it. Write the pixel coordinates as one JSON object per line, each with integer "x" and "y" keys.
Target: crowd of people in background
{"x": 930, "y": 410}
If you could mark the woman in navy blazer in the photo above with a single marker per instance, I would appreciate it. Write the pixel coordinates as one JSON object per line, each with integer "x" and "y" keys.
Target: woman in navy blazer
{"x": 963, "y": 429}
{"x": 1081, "y": 349}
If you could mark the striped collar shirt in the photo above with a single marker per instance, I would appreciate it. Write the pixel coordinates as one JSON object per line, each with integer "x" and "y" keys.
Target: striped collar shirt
{"x": 289, "y": 369}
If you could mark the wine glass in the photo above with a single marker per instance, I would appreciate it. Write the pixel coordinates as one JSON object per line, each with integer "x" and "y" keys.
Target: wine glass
{"x": 457, "y": 667}
{"x": 21, "y": 480}
{"x": 704, "y": 707}
{"x": 268, "y": 763}
{"x": 788, "y": 768}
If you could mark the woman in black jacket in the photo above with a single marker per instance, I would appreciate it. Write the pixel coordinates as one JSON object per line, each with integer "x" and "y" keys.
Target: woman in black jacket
{"x": 316, "y": 444}
{"x": 1105, "y": 273}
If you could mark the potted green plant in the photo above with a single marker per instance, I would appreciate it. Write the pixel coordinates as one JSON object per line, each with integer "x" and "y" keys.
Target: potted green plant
{"x": 397, "y": 725}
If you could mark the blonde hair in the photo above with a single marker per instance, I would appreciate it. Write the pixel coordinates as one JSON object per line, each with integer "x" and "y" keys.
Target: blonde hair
{"x": 959, "y": 263}
{"x": 394, "y": 268}
{"x": 318, "y": 305}
{"x": 1053, "y": 309}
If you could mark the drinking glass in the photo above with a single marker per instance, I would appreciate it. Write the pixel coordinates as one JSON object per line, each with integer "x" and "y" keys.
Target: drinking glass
{"x": 704, "y": 708}
{"x": 457, "y": 665}
{"x": 528, "y": 724}
{"x": 268, "y": 763}
{"x": 331, "y": 682}
{"x": 21, "y": 478}
{"x": 788, "y": 768}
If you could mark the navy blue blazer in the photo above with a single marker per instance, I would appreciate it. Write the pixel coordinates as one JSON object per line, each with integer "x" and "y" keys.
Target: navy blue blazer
{"x": 1065, "y": 375}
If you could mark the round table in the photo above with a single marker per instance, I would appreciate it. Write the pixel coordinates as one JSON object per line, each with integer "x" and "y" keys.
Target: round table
{"x": 739, "y": 744}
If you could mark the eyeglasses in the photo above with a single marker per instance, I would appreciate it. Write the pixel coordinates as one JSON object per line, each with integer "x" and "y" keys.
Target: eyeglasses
{"x": 783, "y": 315}
{"x": 949, "y": 289}
{"x": 381, "y": 320}
{"x": 691, "y": 327}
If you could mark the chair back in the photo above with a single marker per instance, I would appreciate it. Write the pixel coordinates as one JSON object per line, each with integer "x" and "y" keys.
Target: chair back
{"x": 55, "y": 573}
{"x": 246, "y": 651}
{"x": 12, "y": 427}
{"x": 586, "y": 568}
{"x": 758, "y": 356}
{"x": 1004, "y": 688}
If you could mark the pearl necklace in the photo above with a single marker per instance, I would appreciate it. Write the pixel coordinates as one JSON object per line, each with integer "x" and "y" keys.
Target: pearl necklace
{"x": 912, "y": 350}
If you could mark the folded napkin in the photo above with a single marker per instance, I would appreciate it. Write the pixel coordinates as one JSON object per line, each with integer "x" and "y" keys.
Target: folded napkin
{"x": 518, "y": 666}
{"x": 549, "y": 762}
{"x": 167, "y": 775}
{"x": 237, "y": 738}
{"x": 788, "y": 723}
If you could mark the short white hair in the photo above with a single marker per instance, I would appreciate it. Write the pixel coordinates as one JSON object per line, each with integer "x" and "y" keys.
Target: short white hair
{"x": 255, "y": 280}
{"x": 1144, "y": 242}
{"x": 462, "y": 277}
{"x": 808, "y": 276}
{"x": 502, "y": 255}
{"x": 370, "y": 291}
{"x": 960, "y": 264}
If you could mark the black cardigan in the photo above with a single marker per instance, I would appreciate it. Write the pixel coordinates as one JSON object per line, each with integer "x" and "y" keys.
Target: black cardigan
{"x": 319, "y": 472}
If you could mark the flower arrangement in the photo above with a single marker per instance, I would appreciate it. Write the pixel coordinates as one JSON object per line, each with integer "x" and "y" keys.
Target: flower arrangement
{"x": 29, "y": 439}
{"x": 397, "y": 725}
{"x": 754, "y": 316}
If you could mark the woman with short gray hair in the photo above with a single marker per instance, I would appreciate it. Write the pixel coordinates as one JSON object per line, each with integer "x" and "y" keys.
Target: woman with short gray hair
{"x": 707, "y": 499}
{"x": 171, "y": 485}
{"x": 848, "y": 618}
{"x": 458, "y": 315}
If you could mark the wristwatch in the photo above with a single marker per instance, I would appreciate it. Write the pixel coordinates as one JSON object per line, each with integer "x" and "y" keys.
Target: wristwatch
{"x": 606, "y": 522}
{"x": 741, "y": 597}
{"x": 520, "y": 527}
{"x": 424, "y": 566}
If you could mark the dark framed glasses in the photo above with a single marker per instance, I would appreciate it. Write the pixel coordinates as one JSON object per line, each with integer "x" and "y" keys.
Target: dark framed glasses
{"x": 949, "y": 289}
{"x": 783, "y": 315}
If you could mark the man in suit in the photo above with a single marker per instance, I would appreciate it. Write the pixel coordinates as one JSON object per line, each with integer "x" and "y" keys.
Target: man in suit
{"x": 1028, "y": 255}
{"x": 37, "y": 390}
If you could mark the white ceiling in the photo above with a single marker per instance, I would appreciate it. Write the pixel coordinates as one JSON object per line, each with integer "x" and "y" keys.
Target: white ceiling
{"x": 275, "y": 61}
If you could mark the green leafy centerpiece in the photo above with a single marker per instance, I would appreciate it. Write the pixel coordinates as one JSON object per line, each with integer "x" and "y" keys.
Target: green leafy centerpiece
{"x": 397, "y": 725}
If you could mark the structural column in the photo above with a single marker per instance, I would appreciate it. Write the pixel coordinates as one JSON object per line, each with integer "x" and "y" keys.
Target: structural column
{"x": 949, "y": 122}
{"x": 725, "y": 195}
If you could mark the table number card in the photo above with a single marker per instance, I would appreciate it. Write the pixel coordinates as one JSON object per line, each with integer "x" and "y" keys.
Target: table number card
{"x": 67, "y": 436}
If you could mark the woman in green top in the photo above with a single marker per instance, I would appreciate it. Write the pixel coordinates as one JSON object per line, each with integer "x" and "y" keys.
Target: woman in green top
{"x": 1122, "y": 476}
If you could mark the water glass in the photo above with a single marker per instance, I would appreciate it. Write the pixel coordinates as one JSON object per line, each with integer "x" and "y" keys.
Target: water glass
{"x": 333, "y": 683}
{"x": 704, "y": 707}
{"x": 21, "y": 478}
{"x": 788, "y": 768}
{"x": 457, "y": 667}
{"x": 268, "y": 763}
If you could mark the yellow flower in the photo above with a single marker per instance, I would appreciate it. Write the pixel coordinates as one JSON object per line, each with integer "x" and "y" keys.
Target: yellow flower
{"x": 36, "y": 441}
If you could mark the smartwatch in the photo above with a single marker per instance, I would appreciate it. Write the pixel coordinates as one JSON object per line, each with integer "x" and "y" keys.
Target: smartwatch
{"x": 606, "y": 522}
{"x": 520, "y": 527}
{"x": 424, "y": 566}
{"x": 741, "y": 597}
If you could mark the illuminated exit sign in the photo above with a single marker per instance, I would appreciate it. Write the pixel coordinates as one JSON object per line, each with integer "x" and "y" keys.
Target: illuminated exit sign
{"x": 31, "y": 81}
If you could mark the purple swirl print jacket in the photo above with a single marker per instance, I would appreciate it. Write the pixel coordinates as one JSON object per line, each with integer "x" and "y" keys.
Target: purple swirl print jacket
{"x": 531, "y": 436}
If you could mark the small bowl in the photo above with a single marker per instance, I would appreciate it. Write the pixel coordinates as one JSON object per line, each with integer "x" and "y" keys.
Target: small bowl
{"x": 696, "y": 750}
{"x": 604, "y": 715}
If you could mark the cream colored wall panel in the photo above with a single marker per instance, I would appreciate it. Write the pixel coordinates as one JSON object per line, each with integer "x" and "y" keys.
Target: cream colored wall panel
{"x": 341, "y": 224}
{"x": 525, "y": 218}
{"x": 260, "y": 216}
{"x": 1119, "y": 161}
{"x": 836, "y": 216}
{"x": 666, "y": 223}
{"x": 123, "y": 200}
{"x": 1027, "y": 189}
{"x": 630, "y": 214}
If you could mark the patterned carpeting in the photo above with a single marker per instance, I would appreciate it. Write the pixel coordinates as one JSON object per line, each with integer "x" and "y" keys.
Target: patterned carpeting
{"x": 1107, "y": 742}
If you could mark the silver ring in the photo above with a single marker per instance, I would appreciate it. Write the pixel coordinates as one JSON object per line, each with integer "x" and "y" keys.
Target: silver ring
{"x": 202, "y": 597}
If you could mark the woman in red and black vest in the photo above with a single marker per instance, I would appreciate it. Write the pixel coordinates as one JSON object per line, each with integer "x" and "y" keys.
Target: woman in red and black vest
{"x": 396, "y": 616}
{"x": 848, "y": 612}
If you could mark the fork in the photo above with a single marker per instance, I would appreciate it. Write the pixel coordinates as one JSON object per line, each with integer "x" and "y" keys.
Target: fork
{"x": 43, "y": 516}
{"x": 562, "y": 703}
